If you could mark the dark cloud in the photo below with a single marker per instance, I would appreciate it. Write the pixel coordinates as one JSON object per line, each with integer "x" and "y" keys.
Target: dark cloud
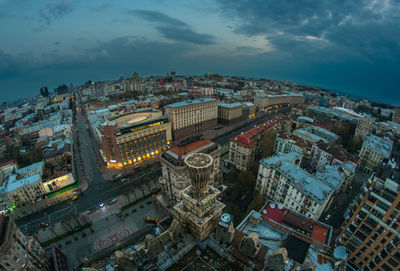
{"x": 361, "y": 27}
{"x": 157, "y": 17}
{"x": 56, "y": 10}
{"x": 185, "y": 34}
{"x": 174, "y": 29}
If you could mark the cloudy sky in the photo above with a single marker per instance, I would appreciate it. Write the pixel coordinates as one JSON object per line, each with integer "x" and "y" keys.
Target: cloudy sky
{"x": 351, "y": 46}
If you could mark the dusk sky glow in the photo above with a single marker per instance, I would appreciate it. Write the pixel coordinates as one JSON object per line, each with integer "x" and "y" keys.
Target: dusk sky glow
{"x": 349, "y": 46}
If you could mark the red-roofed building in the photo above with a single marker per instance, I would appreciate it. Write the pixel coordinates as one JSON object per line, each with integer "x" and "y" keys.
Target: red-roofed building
{"x": 301, "y": 227}
{"x": 243, "y": 147}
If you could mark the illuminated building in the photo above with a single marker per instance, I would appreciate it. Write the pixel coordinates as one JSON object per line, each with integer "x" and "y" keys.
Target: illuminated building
{"x": 134, "y": 137}
{"x": 192, "y": 116}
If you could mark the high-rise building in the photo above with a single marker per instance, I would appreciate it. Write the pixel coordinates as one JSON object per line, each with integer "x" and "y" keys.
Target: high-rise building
{"x": 199, "y": 209}
{"x": 365, "y": 124}
{"x": 134, "y": 137}
{"x": 17, "y": 251}
{"x": 174, "y": 172}
{"x": 191, "y": 117}
{"x": 372, "y": 233}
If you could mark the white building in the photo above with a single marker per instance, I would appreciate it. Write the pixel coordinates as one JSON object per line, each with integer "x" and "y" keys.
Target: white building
{"x": 281, "y": 179}
{"x": 373, "y": 151}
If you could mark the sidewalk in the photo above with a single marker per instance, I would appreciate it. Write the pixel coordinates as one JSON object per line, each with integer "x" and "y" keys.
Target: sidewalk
{"x": 99, "y": 214}
{"x": 106, "y": 229}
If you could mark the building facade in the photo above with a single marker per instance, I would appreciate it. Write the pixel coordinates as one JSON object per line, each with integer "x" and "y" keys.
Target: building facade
{"x": 175, "y": 177}
{"x": 286, "y": 142}
{"x": 17, "y": 251}
{"x": 323, "y": 154}
{"x": 244, "y": 147}
{"x": 365, "y": 125}
{"x": 373, "y": 151}
{"x": 229, "y": 113}
{"x": 134, "y": 137}
{"x": 281, "y": 179}
{"x": 264, "y": 101}
{"x": 191, "y": 117}
{"x": 372, "y": 232}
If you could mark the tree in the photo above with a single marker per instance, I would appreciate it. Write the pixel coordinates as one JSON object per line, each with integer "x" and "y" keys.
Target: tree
{"x": 256, "y": 204}
{"x": 44, "y": 91}
{"x": 61, "y": 89}
{"x": 267, "y": 143}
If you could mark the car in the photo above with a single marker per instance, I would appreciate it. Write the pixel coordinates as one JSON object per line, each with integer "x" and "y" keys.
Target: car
{"x": 101, "y": 205}
{"x": 136, "y": 166}
{"x": 327, "y": 217}
{"x": 153, "y": 220}
{"x": 75, "y": 197}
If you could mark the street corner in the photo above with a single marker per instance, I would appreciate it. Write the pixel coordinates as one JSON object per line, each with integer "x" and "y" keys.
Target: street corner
{"x": 112, "y": 238}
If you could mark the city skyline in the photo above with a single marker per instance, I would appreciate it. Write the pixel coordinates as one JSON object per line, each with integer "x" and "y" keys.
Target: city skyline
{"x": 349, "y": 47}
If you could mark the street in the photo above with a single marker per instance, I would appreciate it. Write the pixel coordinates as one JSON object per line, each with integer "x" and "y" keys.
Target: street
{"x": 99, "y": 189}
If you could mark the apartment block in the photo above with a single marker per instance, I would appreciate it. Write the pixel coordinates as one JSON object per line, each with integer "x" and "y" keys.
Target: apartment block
{"x": 281, "y": 179}
{"x": 372, "y": 232}
{"x": 373, "y": 151}
{"x": 365, "y": 125}
{"x": 17, "y": 251}
{"x": 244, "y": 147}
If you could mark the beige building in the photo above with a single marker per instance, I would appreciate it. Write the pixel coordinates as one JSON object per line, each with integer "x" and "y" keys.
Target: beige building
{"x": 175, "y": 176}
{"x": 134, "y": 137}
{"x": 281, "y": 180}
{"x": 17, "y": 251}
{"x": 229, "y": 114}
{"x": 365, "y": 124}
{"x": 373, "y": 151}
{"x": 371, "y": 234}
{"x": 264, "y": 101}
{"x": 199, "y": 209}
{"x": 191, "y": 117}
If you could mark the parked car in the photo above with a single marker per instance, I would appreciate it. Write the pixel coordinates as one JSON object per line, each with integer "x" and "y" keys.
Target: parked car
{"x": 327, "y": 217}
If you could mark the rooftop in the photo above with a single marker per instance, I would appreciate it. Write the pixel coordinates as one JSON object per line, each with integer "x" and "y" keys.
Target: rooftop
{"x": 36, "y": 167}
{"x": 319, "y": 187}
{"x": 379, "y": 144}
{"x": 247, "y": 138}
{"x": 231, "y": 105}
{"x": 180, "y": 152}
{"x": 14, "y": 184}
{"x": 190, "y": 102}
